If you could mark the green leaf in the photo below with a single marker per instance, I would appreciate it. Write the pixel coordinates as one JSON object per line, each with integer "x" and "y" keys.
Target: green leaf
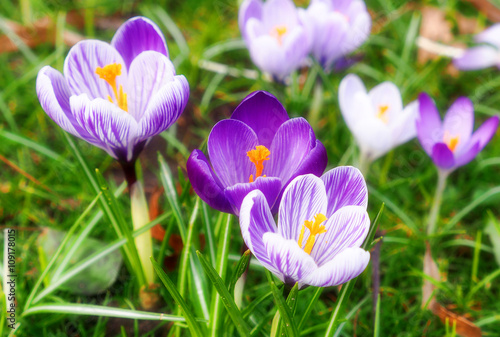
{"x": 310, "y": 306}
{"x": 193, "y": 325}
{"x": 232, "y": 309}
{"x": 284, "y": 310}
{"x": 241, "y": 267}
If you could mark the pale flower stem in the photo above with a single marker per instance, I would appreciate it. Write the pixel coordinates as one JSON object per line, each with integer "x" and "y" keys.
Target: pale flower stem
{"x": 363, "y": 163}
{"x": 436, "y": 204}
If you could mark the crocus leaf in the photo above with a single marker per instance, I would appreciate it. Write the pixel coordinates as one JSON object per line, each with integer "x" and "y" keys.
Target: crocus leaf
{"x": 241, "y": 267}
{"x": 284, "y": 309}
{"x": 493, "y": 231}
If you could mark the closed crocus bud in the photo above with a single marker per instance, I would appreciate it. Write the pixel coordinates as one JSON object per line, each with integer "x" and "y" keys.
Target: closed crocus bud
{"x": 336, "y": 28}
{"x": 274, "y": 34}
{"x": 376, "y": 118}
{"x": 483, "y": 56}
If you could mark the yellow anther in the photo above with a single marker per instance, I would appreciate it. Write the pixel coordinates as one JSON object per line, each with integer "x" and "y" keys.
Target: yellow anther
{"x": 382, "y": 113}
{"x": 109, "y": 74}
{"x": 451, "y": 141}
{"x": 258, "y": 156}
{"x": 315, "y": 228}
{"x": 278, "y": 32}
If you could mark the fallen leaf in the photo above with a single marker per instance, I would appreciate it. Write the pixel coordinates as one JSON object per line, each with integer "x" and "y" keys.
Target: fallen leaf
{"x": 491, "y": 11}
{"x": 464, "y": 327}
{"x": 431, "y": 270}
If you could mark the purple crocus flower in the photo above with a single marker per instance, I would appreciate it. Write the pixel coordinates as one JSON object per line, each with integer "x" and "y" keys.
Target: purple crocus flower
{"x": 483, "y": 56}
{"x": 452, "y": 143}
{"x": 322, "y": 223}
{"x": 116, "y": 96}
{"x": 258, "y": 148}
{"x": 336, "y": 28}
{"x": 275, "y": 37}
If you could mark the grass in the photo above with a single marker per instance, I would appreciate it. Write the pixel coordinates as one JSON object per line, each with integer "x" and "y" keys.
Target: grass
{"x": 42, "y": 184}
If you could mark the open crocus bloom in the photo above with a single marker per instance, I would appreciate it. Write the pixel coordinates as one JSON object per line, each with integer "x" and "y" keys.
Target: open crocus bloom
{"x": 258, "y": 148}
{"x": 452, "y": 144}
{"x": 483, "y": 56}
{"x": 336, "y": 28}
{"x": 322, "y": 223}
{"x": 116, "y": 96}
{"x": 274, "y": 35}
{"x": 376, "y": 118}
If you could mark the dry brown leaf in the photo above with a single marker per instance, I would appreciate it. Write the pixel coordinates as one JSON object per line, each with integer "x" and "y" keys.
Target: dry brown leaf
{"x": 487, "y": 8}
{"x": 434, "y": 27}
{"x": 464, "y": 327}
{"x": 431, "y": 270}
{"x": 154, "y": 211}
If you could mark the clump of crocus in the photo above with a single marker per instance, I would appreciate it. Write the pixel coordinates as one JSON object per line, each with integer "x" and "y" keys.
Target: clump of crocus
{"x": 258, "y": 148}
{"x": 274, "y": 35}
{"x": 485, "y": 55}
{"x": 116, "y": 96}
{"x": 452, "y": 143}
{"x": 322, "y": 223}
{"x": 376, "y": 118}
{"x": 336, "y": 28}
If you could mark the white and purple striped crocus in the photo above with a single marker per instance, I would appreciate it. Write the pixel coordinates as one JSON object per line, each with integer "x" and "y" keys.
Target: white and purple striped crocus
{"x": 485, "y": 55}
{"x": 116, "y": 96}
{"x": 452, "y": 143}
{"x": 322, "y": 223}
{"x": 376, "y": 118}
{"x": 274, "y": 34}
{"x": 336, "y": 28}
{"x": 259, "y": 147}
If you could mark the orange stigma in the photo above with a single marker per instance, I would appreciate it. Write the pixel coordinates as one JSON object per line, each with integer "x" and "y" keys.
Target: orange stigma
{"x": 278, "y": 32}
{"x": 451, "y": 141}
{"x": 258, "y": 156}
{"x": 315, "y": 228}
{"x": 109, "y": 74}
{"x": 382, "y": 113}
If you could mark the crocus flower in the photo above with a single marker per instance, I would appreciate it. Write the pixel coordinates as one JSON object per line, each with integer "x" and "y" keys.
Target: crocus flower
{"x": 452, "y": 143}
{"x": 275, "y": 37}
{"x": 376, "y": 118}
{"x": 337, "y": 28}
{"x": 483, "y": 56}
{"x": 116, "y": 96}
{"x": 322, "y": 223}
{"x": 258, "y": 148}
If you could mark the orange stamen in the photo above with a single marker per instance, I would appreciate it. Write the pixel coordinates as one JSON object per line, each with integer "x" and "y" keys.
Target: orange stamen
{"x": 278, "y": 32}
{"x": 258, "y": 156}
{"x": 451, "y": 141}
{"x": 315, "y": 228}
{"x": 109, "y": 74}
{"x": 382, "y": 113}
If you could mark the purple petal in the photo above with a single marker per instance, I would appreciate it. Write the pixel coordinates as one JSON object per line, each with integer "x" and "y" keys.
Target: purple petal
{"x": 205, "y": 183}
{"x": 404, "y": 128}
{"x": 478, "y": 141}
{"x": 279, "y": 12}
{"x": 344, "y": 267}
{"x": 293, "y": 141}
{"x": 255, "y": 221}
{"x": 149, "y": 72}
{"x": 113, "y": 127}
{"x": 429, "y": 129}
{"x": 270, "y": 187}
{"x": 442, "y": 156}
{"x": 80, "y": 69}
{"x": 228, "y": 144}
{"x": 346, "y": 228}
{"x": 263, "y": 113}
{"x": 164, "y": 108}
{"x": 136, "y": 35}
{"x": 345, "y": 186}
{"x": 490, "y": 35}
{"x": 304, "y": 198}
{"x": 292, "y": 263}
{"x": 477, "y": 58}
{"x": 248, "y": 9}
{"x": 459, "y": 121}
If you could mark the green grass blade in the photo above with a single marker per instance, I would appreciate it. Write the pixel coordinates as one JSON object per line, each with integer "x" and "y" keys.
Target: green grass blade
{"x": 209, "y": 234}
{"x": 232, "y": 309}
{"x": 183, "y": 269}
{"x": 376, "y": 332}
{"x": 309, "y": 308}
{"x": 241, "y": 267}
{"x": 291, "y": 301}
{"x": 193, "y": 325}
{"x": 284, "y": 309}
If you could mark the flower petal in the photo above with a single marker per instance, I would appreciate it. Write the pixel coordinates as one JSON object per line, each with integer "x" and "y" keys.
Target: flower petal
{"x": 442, "y": 156}
{"x": 248, "y": 9}
{"x": 149, "y": 72}
{"x": 386, "y": 95}
{"x": 270, "y": 187}
{"x": 345, "y": 186}
{"x": 344, "y": 267}
{"x": 136, "y": 35}
{"x": 429, "y": 128}
{"x": 353, "y": 100}
{"x": 478, "y": 141}
{"x": 228, "y": 144}
{"x": 279, "y": 12}
{"x": 477, "y": 58}
{"x": 263, "y": 113}
{"x": 292, "y": 143}
{"x": 346, "y": 228}
{"x": 302, "y": 200}
{"x": 164, "y": 108}
{"x": 80, "y": 69}
{"x": 292, "y": 263}
{"x": 205, "y": 183}
{"x": 459, "y": 121}
{"x": 255, "y": 221}
{"x": 490, "y": 35}
{"x": 404, "y": 126}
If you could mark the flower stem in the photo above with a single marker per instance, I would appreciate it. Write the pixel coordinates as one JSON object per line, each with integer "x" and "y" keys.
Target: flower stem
{"x": 436, "y": 204}
{"x": 363, "y": 163}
